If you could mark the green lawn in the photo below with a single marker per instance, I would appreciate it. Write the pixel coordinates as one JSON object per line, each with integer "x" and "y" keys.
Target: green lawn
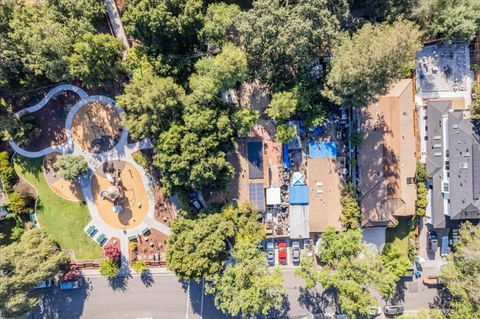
{"x": 398, "y": 236}
{"x": 61, "y": 219}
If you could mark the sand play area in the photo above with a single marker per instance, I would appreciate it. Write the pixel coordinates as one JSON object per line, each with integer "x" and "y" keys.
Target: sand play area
{"x": 96, "y": 127}
{"x": 68, "y": 190}
{"x": 118, "y": 183}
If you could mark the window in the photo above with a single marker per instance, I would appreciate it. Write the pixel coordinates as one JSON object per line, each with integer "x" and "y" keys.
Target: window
{"x": 445, "y": 187}
{"x": 410, "y": 180}
{"x": 425, "y": 138}
{"x": 447, "y": 165}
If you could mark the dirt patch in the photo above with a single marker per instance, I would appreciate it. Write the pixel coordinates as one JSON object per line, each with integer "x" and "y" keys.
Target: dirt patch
{"x": 129, "y": 192}
{"x": 164, "y": 211}
{"x": 96, "y": 127}
{"x": 66, "y": 189}
{"x": 51, "y": 121}
{"x": 152, "y": 247}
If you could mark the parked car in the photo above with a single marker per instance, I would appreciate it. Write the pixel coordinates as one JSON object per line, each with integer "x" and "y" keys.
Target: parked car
{"x": 72, "y": 284}
{"x": 432, "y": 241}
{"x": 295, "y": 252}
{"x": 374, "y": 311}
{"x": 45, "y": 284}
{"x": 270, "y": 253}
{"x": 393, "y": 310}
{"x": 282, "y": 252}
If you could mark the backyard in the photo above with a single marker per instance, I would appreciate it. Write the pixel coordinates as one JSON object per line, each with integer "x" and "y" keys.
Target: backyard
{"x": 399, "y": 236}
{"x": 63, "y": 220}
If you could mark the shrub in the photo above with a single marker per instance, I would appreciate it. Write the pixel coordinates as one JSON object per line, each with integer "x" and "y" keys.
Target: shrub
{"x": 72, "y": 274}
{"x": 139, "y": 266}
{"x": 71, "y": 167}
{"x": 7, "y": 173}
{"x": 421, "y": 175}
{"x": 21, "y": 203}
{"x": 109, "y": 268}
{"x": 350, "y": 207}
{"x": 422, "y": 201}
{"x": 141, "y": 159}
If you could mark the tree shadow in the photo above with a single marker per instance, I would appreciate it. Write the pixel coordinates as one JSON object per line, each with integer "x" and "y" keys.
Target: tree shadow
{"x": 399, "y": 296}
{"x": 119, "y": 283}
{"x": 147, "y": 278}
{"x": 281, "y": 313}
{"x": 442, "y": 300}
{"x": 315, "y": 302}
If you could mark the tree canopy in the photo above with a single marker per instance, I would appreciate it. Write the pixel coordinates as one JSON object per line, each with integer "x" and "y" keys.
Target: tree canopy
{"x": 365, "y": 65}
{"x": 151, "y": 104}
{"x": 71, "y": 167}
{"x": 461, "y": 275}
{"x": 24, "y": 264}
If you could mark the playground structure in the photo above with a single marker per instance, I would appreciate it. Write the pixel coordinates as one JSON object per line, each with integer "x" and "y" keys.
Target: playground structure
{"x": 115, "y": 192}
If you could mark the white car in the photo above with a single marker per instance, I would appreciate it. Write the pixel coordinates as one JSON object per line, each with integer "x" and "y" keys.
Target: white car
{"x": 295, "y": 252}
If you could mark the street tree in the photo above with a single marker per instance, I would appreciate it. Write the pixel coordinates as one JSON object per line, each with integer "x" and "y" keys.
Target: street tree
{"x": 71, "y": 167}
{"x": 96, "y": 59}
{"x": 308, "y": 271}
{"x": 365, "y": 65}
{"x": 337, "y": 245}
{"x": 151, "y": 104}
{"x": 461, "y": 274}
{"x": 452, "y": 20}
{"x": 23, "y": 265}
{"x": 246, "y": 287}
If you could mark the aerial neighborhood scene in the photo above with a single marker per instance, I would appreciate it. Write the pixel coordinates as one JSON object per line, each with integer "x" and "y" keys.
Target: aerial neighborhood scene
{"x": 204, "y": 159}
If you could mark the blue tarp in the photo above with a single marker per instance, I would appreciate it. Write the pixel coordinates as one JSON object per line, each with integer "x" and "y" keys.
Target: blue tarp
{"x": 286, "y": 160}
{"x": 298, "y": 195}
{"x": 322, "y": 149}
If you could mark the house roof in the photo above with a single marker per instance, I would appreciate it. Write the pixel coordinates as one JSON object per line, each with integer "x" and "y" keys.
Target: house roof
{"x": 299, "y": 221}
{"x": 387, "y": 157}
{"x": 325, "y": 187}
{"x": 298, "y": 195}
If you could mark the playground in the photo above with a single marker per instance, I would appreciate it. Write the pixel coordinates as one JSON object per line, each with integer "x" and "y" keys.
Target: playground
{"x": 119, "y": 194}
{"x": 66, "y": 189}
{"x": 96, "y": 127}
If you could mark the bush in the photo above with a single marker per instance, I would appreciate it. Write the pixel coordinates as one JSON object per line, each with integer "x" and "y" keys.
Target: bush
{"x": 285, "y": 134}
{"x": 17, "y": 233}
{"x": 421, "y": 175}
{"x": 109, "y": 268}
{"x": 356, "y": 139}
{"x": 141, "y": 159}
{"x": 422, "y": 201}
{"x": 139, "y": 266}
{"x": 72, "y": 274}
{"x": 72, "y": 167}
{"x": 350, "y": 207}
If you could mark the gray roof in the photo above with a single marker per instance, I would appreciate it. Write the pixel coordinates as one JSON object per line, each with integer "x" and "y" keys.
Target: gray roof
{"x": 464, "y": 163}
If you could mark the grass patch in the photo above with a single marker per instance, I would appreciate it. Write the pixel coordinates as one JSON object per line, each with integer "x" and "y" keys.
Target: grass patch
{"x": 63, "y": 220}
{"x": 399, "y": 236}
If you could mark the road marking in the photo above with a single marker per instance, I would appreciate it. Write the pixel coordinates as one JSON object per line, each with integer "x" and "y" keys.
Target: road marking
{"x": 188, "y": 300}
{"x": 201, "y": 304}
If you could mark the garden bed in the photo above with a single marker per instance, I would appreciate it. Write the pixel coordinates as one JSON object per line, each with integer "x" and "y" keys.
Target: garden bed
{"x": 63, "y": 220}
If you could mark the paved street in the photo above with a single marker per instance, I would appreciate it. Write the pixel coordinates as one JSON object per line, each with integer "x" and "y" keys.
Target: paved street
{"x": 161, "y": 296}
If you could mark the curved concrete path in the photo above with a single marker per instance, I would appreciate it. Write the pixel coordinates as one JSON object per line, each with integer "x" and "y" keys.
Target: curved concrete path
{"x": 121, "y": 151}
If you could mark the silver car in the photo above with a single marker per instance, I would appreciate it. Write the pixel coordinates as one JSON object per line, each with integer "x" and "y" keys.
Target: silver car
{"x": 295, "y": 252}
{"x": 270, "y": 253}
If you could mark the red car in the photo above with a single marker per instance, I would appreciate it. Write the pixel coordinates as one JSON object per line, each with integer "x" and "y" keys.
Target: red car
{"x": 282, "y": 252}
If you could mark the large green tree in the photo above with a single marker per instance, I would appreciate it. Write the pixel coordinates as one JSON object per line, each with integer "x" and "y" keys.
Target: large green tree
{"x": 284, "y": 40}
{"x": 452, "y": 20}
{"x": 219, "y": 23}
{"x": 23, "y": 265}
{"x": 461, "y": 275}
{"x": 246, "y": 287}
{"x": 365, "y": 65}
{"x": 151, "y": 104}
{"x": 71, "y": 167}
{"x": 96, "y": 59}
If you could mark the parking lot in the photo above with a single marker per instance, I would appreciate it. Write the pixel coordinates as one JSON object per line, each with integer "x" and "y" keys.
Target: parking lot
{"x": 292, "y": 257}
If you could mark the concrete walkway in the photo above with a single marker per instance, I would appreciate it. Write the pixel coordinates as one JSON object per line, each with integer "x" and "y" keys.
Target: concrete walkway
{"x": 122, "y": 151}
{"x": 116, "y": 22}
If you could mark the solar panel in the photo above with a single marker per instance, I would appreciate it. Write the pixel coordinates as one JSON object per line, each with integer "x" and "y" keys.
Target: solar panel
{"x": 256, "y": 195}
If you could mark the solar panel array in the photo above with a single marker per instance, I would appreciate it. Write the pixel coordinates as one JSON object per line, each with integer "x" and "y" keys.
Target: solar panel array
{"x": 256, "y": 195}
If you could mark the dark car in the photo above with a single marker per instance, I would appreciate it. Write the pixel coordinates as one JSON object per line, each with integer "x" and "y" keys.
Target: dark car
{"x": 393, "y": 310}
{"x": 282, "y": 252}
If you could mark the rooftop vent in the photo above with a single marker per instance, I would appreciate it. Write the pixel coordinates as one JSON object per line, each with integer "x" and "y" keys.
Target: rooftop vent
{"x": 463, "y": 165}
{"x": 437, "y": 137}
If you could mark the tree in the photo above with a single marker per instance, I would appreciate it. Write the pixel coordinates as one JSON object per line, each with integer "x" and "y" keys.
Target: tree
{"x": 392, "y": 267}
{"x": 18, "y": 129}
{"x": 96, "y": 59}
{"x": 392, "y": 10}
{"x": 365, "y": 65}
{"x": 112, "y": 252}
{"x": 337, "y": 245}
{"x": 71, "y": 167}
{"x": 244, "y": 119}
{"x": 308, "y": 271}
{"x": 108, "y": 268}
{"x": 421, "y": 174}
{"x": 425, "y": 314}
{"x": 284, "y": 40}
{"x": 139, "y": 266}
{"x": 356, "y": 138}
{"x": 461, "y": 274}
{"x": 24, "y": 264}
{"x": 246, "y": 287}
{"x": 350, "y": 207}
{"x": 7, "y": 173}
{"x": 219, "y": 23}
{"x": 282, "y": 106}
{"x": 164, "y": 26}
{"x": 151, "y": 104}
{"x": 20, "y": 203}
{"x": 452, "y": 20}
{"x": 197, "y": 249}
{"x": 286, "y": 133}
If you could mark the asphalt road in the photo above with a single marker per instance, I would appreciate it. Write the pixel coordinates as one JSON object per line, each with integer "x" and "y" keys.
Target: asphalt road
{"x": 162, "y": 296}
